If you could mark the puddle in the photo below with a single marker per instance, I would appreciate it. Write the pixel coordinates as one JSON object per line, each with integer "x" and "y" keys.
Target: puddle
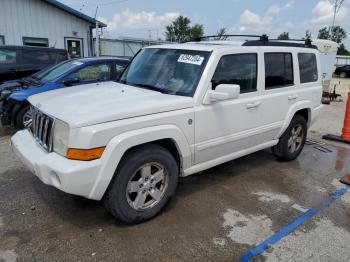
{"x": 269, "y": 197}
{"x": 247, "y": 229}
{"x": 326, "y": 242}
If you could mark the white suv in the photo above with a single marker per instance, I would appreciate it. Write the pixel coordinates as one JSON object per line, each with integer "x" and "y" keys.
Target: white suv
{"x": 178, "y": 110}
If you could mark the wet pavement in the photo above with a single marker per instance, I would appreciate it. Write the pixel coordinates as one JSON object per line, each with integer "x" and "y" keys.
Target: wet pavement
{"x": 217, "y": 215}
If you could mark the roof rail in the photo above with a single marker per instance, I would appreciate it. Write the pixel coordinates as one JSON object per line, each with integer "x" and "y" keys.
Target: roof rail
{"x": 261, "y": 37}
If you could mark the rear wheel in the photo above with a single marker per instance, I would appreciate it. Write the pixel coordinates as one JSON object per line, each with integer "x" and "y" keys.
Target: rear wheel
{"x": 24, "y": 118}
{"x": 144, "y": 182}
{"x": 292, "y": 141}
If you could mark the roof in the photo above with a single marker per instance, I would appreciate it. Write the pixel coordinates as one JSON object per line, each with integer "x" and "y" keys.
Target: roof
{"x": 74, "y": 12}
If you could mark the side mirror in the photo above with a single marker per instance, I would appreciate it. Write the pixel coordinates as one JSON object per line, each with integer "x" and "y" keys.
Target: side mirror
{"x": 71, "y": 80}
{"x": 222, "y": 92}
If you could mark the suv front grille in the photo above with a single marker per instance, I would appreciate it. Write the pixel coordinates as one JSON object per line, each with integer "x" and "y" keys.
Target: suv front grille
{"x": 42, "y": 126}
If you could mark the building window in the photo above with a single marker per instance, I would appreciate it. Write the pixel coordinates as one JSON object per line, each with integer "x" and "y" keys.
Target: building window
{"x": 278, "y": 70}
{"x": 35, "y": 41}
{"x": 238, "y": 69}
{"x": 2, "y": 40}
{"x": 307, "y": 67}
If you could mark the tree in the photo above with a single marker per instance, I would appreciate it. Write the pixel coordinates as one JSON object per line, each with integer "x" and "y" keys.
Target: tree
{"x": 342, "y": 50}
{"x": 283, "y": 36}
{"x": 181, "y": 30}
{"x": 336, "y": 34}
{"x": 221, "y": 34}
{"x": 308, "y": 34}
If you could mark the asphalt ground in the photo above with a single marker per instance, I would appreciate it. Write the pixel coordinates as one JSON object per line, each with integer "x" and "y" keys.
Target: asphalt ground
{"x": 217, "y": 215}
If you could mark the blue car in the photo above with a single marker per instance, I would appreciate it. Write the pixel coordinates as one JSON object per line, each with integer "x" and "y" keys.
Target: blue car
{"x": 14, "y": 108}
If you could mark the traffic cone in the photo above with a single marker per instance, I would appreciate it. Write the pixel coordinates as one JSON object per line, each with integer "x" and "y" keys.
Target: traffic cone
{"x": 345, "y": 137}
{"x": 346, "y": 128}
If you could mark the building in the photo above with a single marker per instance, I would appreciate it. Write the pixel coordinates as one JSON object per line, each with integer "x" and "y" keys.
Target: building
{"x": 46, "y": 23}
{"x": 125, "y": 46}
{"x": 342, "y": 60}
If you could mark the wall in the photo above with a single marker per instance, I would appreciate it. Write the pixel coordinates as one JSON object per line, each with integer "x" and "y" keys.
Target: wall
{"x": 34, "y": 18}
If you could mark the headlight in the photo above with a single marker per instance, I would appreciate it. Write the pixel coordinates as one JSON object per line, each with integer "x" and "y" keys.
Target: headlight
{"x": 60, "y": 137}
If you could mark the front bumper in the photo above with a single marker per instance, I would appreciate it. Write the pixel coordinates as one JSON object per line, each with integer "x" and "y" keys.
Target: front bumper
{"x": 70, "y": 176}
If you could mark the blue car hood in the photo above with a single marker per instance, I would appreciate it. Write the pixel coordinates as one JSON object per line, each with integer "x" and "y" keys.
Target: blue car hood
{"x": 23, "y": 94}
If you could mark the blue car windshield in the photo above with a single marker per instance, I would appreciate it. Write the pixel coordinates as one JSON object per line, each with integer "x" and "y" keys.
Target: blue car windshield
{"x": 56, "y": 71}
{"x": 170, "y": 71}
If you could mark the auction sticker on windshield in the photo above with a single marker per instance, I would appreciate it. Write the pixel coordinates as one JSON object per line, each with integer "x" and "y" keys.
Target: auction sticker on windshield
{"x": 191, "y": 59}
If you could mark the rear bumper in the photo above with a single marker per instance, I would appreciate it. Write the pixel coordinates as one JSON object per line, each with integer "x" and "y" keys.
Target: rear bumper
{"x": 70, "y": 176}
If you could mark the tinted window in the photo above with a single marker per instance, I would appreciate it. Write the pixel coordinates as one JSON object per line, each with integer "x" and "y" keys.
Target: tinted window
{"x": 32, "y": 41}
{"x": 7, "y": 57}
{"x": 35, "y": 57}
{"x": 99, "y": 72}
{"x": 278, "y": 70}
{"x": 240, "y": 69}
{"x": 2, "y": 40}
{"x": 307, "y": 67}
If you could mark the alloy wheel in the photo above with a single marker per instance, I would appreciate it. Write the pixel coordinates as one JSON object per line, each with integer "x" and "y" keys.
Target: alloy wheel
{"x": 296, "y": 140}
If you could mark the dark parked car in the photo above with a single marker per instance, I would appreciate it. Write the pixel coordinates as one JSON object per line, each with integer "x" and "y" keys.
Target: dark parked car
{"x": 21, "y": 61}
{"x": 343, "y": 71}
{"x": 14, "y": 107}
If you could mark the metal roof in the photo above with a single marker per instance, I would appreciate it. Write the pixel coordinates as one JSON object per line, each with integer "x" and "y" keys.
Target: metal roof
{"x": 74, "y": 12}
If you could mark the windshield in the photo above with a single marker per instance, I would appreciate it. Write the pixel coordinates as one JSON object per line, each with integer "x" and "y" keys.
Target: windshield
{"x": 53, "y": 72}
{"x": 169, "y": 71}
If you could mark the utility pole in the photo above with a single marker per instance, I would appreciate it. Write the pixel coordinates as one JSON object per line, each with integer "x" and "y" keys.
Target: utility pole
{"x": 337, "y": 5}
{"x": 97, "y": 44}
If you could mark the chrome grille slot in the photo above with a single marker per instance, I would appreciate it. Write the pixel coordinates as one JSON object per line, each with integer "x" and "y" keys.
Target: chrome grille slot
{"x": 42, "y": 128}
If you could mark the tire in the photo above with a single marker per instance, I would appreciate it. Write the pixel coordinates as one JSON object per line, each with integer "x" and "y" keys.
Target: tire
{"x": 284, "y": 150}
{"x": 132, "y": 196}
{"x": 23, "y": 118}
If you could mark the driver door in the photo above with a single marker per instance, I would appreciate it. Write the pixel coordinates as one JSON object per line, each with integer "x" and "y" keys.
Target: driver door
{"x": 226, "y": 127}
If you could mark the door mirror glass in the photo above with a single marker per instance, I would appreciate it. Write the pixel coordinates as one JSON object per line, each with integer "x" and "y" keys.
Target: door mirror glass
{"x": 221, "y": 93}
{"x": 71, "y": 80}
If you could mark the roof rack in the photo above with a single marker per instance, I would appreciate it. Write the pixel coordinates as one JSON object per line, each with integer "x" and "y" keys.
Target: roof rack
{"x": 263, "y": 40}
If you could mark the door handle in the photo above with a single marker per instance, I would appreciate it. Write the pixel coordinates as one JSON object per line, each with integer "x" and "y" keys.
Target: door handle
{"x": 253, "y": 105}
{"x": 293, "y": 97}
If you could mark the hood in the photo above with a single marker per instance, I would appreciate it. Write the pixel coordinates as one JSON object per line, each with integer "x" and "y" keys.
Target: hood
{"x": 8, "y": 88}
{"x": 99, "y": 103}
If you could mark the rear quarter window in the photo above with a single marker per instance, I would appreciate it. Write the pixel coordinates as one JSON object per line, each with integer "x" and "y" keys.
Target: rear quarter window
{"x": 307, "y": 67}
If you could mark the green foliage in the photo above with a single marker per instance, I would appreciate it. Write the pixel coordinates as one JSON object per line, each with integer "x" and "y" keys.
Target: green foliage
{"x": 308, "y": 34}
{"x": 221, "y": 34}
{"x": 181, "y": 30}
{"x": 336, "y": 34}
{"x": 283, "y": 36}
{"x": 342, "y": 50}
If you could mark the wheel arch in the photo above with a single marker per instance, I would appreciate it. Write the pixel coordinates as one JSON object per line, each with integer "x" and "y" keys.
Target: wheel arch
{"x": 16, "y": 109}
{"x": 168, "y": 136}
{"x": 303, "y": 108}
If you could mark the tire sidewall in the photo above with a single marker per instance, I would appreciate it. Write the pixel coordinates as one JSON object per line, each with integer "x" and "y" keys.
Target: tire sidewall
{"x": 287, "y": 134}
{"x": 19, "y": 118}
{"x": 117, "y": 197}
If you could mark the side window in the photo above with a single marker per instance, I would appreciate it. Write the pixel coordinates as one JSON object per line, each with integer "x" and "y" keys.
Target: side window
{"x": 2, "y": 40}
{"x": 100, "y": 72}
{"x": 278, "y": 70}
{"x": 238, "y": 69}
{"x": 119, "y": 68}
{"x": 307, "y": 67}
{"x": 7, "y": 57}
{"x": 35, "y": 57}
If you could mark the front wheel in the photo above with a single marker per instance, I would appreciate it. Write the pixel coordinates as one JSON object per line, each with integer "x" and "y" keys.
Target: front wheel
{"x": 144, "y": 182}
{"x": 292, "y": 141}
{"x": 24, "y": 118}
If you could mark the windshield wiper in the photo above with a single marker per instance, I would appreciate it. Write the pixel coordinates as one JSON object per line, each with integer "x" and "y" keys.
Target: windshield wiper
{"x": 145, "y": 86}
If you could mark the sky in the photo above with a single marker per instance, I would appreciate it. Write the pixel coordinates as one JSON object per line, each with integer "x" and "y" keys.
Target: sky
{"x": 148, "y": 18}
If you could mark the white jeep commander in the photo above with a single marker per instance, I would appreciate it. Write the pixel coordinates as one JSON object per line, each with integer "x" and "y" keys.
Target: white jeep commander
{"x": 178, "y": 109}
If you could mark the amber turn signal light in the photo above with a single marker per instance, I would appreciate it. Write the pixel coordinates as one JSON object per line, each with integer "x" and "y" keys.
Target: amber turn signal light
{"x": 85, "y": 154}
